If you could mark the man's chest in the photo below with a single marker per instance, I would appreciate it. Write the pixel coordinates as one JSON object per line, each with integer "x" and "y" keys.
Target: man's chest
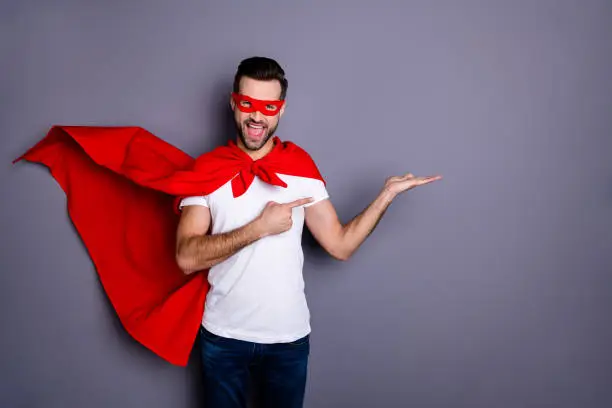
{"x": 229, "y": 212}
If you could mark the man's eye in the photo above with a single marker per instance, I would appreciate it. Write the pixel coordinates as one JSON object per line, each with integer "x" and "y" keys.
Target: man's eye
{"x": 246, "y": 104}
{"x": 271, "y": 107}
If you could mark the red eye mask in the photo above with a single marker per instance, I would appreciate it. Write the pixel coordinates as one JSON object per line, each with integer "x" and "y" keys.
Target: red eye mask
{"x": 248, "y": 105}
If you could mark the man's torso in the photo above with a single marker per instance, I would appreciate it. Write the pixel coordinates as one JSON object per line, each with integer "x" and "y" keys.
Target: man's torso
{"x": 257, "y": 294}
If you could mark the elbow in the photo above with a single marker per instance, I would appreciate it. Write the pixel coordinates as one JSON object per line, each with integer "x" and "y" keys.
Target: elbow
{"x": 342, "y": 258}
{"x": 340, "y": 254}
{"x": 186, "y": 263}
{"x": 190, "y": 261}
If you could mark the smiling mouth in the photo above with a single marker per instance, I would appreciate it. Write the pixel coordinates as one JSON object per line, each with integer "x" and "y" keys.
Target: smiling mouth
{"x": 255, "y": 130}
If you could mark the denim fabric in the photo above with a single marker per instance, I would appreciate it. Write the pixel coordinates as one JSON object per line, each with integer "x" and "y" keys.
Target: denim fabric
{"x": 278, "y": 370}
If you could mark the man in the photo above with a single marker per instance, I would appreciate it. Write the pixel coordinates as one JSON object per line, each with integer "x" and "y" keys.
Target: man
{"x": 257, "y": 318}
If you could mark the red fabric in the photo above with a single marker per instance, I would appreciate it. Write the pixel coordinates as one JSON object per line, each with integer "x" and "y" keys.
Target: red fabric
{"x": 122, "y": 185}
{"x": 257, "y": 104}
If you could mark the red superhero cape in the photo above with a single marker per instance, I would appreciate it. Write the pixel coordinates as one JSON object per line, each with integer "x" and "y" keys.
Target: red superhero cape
{"x": 122, "y": 185}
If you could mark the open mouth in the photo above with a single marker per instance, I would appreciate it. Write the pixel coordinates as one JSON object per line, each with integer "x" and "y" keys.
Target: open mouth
{"x": 255, "y": 130}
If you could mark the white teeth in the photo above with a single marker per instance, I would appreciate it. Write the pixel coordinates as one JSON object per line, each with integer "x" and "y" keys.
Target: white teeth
{"x": 255, "y": 126}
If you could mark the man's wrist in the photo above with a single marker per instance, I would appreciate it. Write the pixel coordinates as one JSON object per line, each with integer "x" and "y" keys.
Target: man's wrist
{"x": 386, "y": 196}
{"x": 256, "y": 229}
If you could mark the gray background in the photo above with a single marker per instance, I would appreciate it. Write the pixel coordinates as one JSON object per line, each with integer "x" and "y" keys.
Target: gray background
{"x": 490, "y": 288}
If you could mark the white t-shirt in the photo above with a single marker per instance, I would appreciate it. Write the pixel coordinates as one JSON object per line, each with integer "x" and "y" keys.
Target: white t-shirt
{"x": 257, "y": 294}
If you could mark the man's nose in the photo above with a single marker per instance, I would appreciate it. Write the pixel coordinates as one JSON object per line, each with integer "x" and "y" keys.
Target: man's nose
{"x": 257, "y": 116}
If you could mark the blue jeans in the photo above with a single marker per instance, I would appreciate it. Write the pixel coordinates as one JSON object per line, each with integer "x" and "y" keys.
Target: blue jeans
{"x": 278, "y": 370}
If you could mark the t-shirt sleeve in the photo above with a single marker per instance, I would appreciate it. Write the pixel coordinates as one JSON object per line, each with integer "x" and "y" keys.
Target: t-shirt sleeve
{"x": 193, "y": 200}
{"x": 317, "y": 190}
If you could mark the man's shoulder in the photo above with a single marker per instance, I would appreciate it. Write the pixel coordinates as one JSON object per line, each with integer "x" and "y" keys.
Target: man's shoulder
{"x": 298, "y": 151}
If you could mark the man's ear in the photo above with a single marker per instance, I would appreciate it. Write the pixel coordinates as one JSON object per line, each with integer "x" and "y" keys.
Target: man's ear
{"x": 232, "y": 103}
{"x": 282, "y": 110}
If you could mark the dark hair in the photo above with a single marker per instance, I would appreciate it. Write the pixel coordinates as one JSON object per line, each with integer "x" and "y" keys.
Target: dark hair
{"x": 261, "y": 68}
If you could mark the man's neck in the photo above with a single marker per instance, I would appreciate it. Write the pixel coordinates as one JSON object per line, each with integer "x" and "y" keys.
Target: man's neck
{"x": 256, "y": 154}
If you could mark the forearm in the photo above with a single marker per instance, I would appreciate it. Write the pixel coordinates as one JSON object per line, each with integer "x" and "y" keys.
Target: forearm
{"x": 204, "y": 251}
{"x": 354, "y": 233}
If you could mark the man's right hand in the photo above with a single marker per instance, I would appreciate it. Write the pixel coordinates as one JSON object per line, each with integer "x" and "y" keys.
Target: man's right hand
{"x": 276, "y": 218}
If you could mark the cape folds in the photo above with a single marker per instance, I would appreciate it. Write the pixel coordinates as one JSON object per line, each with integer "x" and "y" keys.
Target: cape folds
{"x": 122, "y": 186}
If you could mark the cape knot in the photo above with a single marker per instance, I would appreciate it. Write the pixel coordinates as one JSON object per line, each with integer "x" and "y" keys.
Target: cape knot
{"x": 255, "y": 168}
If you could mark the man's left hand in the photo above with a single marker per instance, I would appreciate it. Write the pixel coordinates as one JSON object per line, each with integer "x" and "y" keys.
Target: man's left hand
{"x": 399, "y": 184}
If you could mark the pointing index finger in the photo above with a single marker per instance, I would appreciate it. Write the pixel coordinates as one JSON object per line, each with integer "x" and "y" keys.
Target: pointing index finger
{"x": 298, "y": 202}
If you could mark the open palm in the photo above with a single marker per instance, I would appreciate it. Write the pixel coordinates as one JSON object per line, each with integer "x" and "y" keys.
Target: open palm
{"x": 399, "y": 184}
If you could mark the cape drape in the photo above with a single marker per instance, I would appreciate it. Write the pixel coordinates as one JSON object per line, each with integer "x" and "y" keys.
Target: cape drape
{"x": 122, "y": 186}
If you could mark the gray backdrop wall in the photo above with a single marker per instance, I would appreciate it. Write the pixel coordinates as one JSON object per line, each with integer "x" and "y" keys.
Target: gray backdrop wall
{"x": 490, "y": 288}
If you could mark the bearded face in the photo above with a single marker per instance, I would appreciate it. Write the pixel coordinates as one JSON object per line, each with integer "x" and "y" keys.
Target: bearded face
{"x": 257, "y": 111}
